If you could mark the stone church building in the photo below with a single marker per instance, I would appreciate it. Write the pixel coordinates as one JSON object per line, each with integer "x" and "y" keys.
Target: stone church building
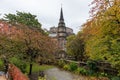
{"x": 60, "y": 34}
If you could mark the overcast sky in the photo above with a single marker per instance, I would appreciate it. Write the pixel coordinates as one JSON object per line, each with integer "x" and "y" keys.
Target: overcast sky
{"x": 76, "y": 12}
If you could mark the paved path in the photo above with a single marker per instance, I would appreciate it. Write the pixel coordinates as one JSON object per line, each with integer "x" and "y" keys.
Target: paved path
{"x": 2, "y": 78}
{"x": 57, "y": 74}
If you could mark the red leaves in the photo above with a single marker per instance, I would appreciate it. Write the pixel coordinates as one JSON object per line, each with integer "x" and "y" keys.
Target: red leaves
{"x": 15, "y": 73}
{"x": 9, "y": 30}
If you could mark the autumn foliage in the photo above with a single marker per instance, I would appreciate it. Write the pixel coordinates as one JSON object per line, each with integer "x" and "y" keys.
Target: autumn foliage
{"x": 102, "y": 32}
{"x": 23, "y": 38}
{"x": 15, "y": 73}
{"x": 23, "y": 42}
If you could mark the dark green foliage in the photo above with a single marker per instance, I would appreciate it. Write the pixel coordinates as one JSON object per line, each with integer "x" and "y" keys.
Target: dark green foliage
{"x": 24, "y": 18}
{"x": 92, "y": 67}
{"x": 73, "y": 66}
{"x": 115, "y": 78}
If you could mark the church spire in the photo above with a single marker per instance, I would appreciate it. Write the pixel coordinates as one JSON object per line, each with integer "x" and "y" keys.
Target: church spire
{"x": 61, "y": 20}
{"x": 61, "y": 15}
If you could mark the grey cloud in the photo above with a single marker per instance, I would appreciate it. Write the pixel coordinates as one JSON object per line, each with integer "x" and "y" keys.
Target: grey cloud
{"x": 48, "y": 11}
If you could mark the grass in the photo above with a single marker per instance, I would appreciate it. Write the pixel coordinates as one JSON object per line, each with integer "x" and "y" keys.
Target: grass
{"x": 37, "y": 67}
{"x": 1, "y": 64}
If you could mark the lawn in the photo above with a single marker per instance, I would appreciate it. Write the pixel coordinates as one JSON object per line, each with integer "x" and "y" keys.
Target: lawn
{"x": 37, "y": 67}
{"x": 1, "y": 64}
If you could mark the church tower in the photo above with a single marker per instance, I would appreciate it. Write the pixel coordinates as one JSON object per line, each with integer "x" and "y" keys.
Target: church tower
{"x": 61, "y": 33}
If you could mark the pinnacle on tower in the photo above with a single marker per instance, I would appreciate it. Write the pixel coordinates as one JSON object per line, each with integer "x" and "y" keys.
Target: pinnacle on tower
{"x": 61, "y": 15}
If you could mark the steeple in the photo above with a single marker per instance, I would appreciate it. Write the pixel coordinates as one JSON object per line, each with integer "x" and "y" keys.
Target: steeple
{"x": 61, "y": 15}
{"x": 61, "y": 25}
{"x": 61, "y": 20}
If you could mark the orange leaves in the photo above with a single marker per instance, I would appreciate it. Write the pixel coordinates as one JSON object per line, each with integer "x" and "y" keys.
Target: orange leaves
{"x": 15, "y": 73}
{"x": 100, "y": 6}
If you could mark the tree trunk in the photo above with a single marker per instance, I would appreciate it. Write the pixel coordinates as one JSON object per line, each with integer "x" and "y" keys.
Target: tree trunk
{"x": 30, "y": 71}
{"x": 5, "y": 66}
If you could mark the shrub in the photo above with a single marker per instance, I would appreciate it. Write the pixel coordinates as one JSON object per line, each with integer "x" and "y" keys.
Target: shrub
{"x": 61, "y": 63}
{"x": 103, "y": 74}
{"x": 92, "y": 67}
{"x": 19, "y": 63}
{"x": 81, "y": 70}
{"x": 66, "y": 67}
{"x": 115, "y": 78}
{"x": 73, "y": 66}
{"x": 91, "y": 72}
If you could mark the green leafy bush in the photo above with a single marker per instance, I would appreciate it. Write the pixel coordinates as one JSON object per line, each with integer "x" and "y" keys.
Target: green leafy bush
{"x": 61, "y": 63}
{"x": 73, "y": 66}
{"x": 115, "y": 78}
{"x": 103, "y": 74}
{"x": 66, "y": 67}
{"x": 92, "y": 65}
{"x": 81, "y": 70}
{"x": 91, "y": 72}
{"x": 19, "y": 63}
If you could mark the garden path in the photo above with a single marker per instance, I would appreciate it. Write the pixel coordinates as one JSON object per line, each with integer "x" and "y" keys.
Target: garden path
{"x": 58, "y": 74}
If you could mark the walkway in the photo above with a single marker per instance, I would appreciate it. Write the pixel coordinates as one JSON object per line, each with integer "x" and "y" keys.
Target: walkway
{"x": 2, "y": 76}
{"x": 57, "y": 74}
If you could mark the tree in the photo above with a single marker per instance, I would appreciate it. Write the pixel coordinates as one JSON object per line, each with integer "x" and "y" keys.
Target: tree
{"x": 102, "y": 32}
{"x": 24, "y": 18}
{"x": 25, "y": 43}
{"x": 36, "y": 45}
{"x": 68, "y": 44}
{"x": 9, "y": 44}
{"x": 75, "y": 46}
